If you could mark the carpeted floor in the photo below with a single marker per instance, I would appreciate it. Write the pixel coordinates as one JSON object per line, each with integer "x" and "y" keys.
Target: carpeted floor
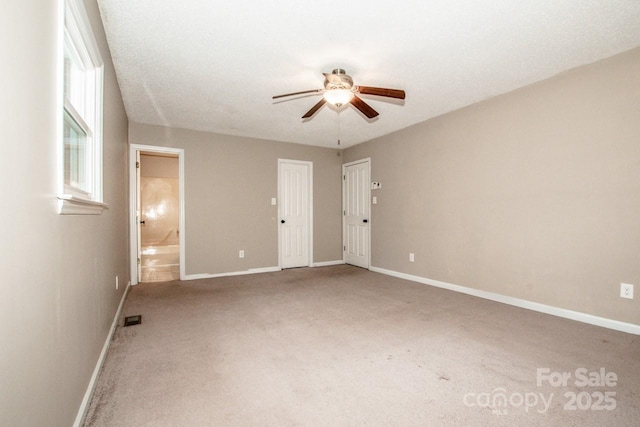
{"x": 342, "y": 346}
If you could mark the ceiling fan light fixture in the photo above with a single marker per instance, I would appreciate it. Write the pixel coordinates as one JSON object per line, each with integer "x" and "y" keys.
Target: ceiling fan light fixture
{"x": 338, "y": 96}
{"x": 340, "y": 90}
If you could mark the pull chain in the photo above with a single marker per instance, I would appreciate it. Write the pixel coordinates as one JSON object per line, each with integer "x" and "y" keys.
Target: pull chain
{"x": 338, "y": 125}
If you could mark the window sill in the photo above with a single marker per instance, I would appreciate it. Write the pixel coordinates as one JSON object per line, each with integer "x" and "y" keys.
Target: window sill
{"x": 69, "y": 204}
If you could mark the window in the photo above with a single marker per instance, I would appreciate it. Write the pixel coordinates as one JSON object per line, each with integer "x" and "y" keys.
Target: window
{"x": 80, "y": 142}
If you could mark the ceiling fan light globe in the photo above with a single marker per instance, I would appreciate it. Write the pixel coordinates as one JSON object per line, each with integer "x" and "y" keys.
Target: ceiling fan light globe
{"x": 338, "y": 97}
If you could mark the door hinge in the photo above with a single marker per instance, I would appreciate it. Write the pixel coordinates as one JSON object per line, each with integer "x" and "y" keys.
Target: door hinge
{"x": 138, "y": 261}
{"x": 344, "y": 177}
{"x": 137, "y": 165}
{"x": 344, "y": 248}
{"x": 344, "y": 213}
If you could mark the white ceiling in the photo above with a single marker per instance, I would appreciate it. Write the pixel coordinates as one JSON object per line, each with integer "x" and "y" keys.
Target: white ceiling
{"x": 214, "y": 65}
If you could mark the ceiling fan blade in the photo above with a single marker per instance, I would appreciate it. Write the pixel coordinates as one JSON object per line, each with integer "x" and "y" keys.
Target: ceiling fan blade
{"x": 363, "y": 107}
{"x": 297, "y": 93}
{"x": 314, "y": 108}
{"x": 380, "y": 91}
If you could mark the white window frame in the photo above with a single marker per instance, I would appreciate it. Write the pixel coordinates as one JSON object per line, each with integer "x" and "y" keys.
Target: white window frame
{"x": 75, "y": 28}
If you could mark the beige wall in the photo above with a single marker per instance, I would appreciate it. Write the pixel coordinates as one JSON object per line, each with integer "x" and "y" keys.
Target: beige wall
{"x": 57, "y": 272}
{"x": 229, "y": 183}
{"x": 534, "y": 194}
{"x": 159, "y": 166}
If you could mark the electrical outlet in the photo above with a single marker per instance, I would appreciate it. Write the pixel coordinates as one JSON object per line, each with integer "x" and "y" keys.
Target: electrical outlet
{"x": 116, "y": 283}
{"x": 241, "y": 253}
{"x": 626, "y": 290}
{"x": 411, "y": 257}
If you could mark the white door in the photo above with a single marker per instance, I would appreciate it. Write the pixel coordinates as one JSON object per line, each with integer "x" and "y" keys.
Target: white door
{"x": 356, "y": 190}
{"x": 294, "y": 201}
{"x": 138, "y": 220}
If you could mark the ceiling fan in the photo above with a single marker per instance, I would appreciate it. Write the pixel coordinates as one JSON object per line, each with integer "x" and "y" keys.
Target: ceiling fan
{"x": 339, "y": 90}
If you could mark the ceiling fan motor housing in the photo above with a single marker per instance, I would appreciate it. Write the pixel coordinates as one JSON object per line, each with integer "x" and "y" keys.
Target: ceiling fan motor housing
{"x": 338, "y": 79}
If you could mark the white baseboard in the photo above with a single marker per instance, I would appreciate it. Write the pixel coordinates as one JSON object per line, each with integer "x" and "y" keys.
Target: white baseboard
{"x": 84, "y": 406}
{"x": 233, "y": 273}
{"x": 253, "y": 271}
{"x": 328, "y": 263}
{"x": 530, "y": 305}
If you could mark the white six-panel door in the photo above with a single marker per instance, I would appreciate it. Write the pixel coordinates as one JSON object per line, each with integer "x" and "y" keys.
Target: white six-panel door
{"x": 356, "y": 190}
{"x": 294, "y": 222}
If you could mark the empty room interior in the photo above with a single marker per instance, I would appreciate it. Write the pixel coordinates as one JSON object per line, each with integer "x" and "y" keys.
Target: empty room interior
{"x": 298, "y": 213}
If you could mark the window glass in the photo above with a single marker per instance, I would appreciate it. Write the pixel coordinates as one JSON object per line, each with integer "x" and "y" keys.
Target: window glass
{"x": 75, "y": 81}
{"x": 75, "y": 154}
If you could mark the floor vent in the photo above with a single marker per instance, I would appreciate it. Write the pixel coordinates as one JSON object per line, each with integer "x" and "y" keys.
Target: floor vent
{"x": 133, "y": 320}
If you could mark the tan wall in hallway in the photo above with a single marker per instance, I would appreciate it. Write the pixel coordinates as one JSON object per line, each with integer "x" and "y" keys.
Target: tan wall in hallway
{"x": 159, "y": 166}
{"x": 534, "y": 194}
{"x": 229, "y": 183}
{"x": 57, "y": 272}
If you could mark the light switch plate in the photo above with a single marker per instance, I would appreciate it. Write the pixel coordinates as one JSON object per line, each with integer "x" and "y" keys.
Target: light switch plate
{"x": 273, "y": 201}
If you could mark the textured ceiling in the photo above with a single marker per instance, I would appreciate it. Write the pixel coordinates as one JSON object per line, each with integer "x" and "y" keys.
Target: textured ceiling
{"x": 214, "y": 65}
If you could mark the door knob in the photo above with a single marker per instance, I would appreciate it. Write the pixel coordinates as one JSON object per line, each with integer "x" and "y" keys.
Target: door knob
{"x": 365, "y": 220}
{"x": 282, "y": 221}
{"x": 142, "y": 222}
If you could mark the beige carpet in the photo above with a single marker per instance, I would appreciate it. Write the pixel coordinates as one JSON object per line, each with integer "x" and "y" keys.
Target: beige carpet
{"x": 342, "y": 346}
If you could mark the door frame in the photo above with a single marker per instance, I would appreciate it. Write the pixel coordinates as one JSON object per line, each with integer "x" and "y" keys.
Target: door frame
{"x": 133, "y": 195}
{"x": 366, "y": 160}
{"x": 309, "y": 207}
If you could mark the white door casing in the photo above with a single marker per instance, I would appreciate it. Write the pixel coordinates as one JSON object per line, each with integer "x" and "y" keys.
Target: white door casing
{"x": 356, "y": 192}
{"x": 295, "y": 219}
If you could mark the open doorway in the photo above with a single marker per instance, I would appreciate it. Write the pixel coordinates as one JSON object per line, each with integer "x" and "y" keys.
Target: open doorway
{"x": 157, "y": 214}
